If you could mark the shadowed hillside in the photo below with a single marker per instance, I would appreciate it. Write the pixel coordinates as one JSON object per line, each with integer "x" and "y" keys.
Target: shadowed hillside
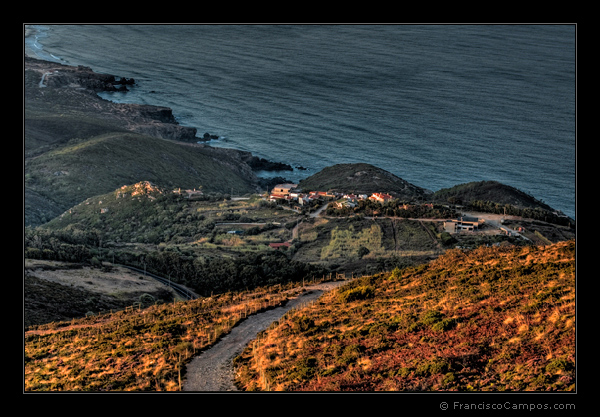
{"x": 78, "y": 145}
{"x": 359, "y": 179}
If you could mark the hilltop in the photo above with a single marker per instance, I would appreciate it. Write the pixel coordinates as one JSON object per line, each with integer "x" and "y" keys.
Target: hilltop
{"x": 491, "y": 319}
{"x": 493, "y": 191}
{"x": 362, "y": 178}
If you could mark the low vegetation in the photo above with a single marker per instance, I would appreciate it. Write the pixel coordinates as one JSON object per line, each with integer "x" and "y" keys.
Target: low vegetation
{"x": 137, "y": 349}
{"x": 491, "y": 319}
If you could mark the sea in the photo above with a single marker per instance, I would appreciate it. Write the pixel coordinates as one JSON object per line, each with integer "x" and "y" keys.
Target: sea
{"x": 437, "y": 105}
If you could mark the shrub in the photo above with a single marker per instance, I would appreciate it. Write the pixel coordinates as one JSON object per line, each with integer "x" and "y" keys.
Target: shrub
{"x": 433, "y": 367}
{"x": 359, "y": 293}
{"x": 396, "y": 273}
{"x": 305, "y": 368}
{"x": 350, "y": 354}
{"x": 431, "y": 317}
{"x": 443, "y": 325}
{"x": 301, "y": 324}
{"x": 146, "y": 299}
{"x": 559, "y": 366}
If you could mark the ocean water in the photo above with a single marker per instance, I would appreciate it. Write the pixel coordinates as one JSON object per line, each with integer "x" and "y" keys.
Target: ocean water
{"x": 437, "y": 105}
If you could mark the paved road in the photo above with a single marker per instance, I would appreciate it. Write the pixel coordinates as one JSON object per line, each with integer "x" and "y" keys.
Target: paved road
{"x": 212, "y": 370}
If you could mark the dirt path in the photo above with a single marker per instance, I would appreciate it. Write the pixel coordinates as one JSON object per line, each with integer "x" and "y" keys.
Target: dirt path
{"x": 213, "y": 369}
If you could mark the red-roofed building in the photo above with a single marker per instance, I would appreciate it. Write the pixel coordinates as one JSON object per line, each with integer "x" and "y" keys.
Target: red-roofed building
{"x": 380, "y": 197}
{"x": 280, "y": 245}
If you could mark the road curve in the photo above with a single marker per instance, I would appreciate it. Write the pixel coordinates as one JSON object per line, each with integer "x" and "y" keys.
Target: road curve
{"x": 212, "y": 370}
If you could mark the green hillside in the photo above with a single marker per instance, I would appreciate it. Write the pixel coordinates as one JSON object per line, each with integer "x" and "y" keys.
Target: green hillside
{"x": 80, "y": 169}
{"x": 491, "y": 319}
{"x": 361, "y": 179}
{"x": 78, "y": 145}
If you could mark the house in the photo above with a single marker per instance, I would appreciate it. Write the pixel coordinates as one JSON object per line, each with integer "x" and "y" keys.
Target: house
{"x": 380, "y": 197}
{"x": 345, "y": 203}
{"x": 322, "y": 194}
{"x": 463, "y": 223}
{"x": 281, "y": 191}
{"x": 189, "y": 193}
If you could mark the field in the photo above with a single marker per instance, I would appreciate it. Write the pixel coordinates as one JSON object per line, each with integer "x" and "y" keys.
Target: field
{"x": 56, "y": 291}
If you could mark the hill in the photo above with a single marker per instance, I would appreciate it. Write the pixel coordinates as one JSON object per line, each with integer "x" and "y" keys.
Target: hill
{"x": 361, "y": 178}
{"x": 137, "y": 349}
{"x": 492, "y": 191}
{"x": 60, "y": 291}
{"x": 491, "y": 319}
{"x": 78, "y": 145}
{"x": 81, "y": 169}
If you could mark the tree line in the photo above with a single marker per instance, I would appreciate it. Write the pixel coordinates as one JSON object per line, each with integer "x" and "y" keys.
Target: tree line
{"x": 204, "y": 276}
{"x": 393, "y": 208}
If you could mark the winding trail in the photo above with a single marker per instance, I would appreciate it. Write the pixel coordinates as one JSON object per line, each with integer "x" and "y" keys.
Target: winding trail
{"x": 212, "y": 370}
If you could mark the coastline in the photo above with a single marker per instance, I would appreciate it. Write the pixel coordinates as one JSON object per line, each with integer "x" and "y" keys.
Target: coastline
{"x": 157, "y": 121}
{"x": 295, "y": 173}
{"x": 61, "y": 106}
{"x": 164, "y": 125}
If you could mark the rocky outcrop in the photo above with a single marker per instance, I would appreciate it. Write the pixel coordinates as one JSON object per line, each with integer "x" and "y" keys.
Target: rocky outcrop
{"x": 166, "y": 131}
{"x": 64, "y": 80}
{"x": 262, "y": 164}
{"x": 59, "y": 76}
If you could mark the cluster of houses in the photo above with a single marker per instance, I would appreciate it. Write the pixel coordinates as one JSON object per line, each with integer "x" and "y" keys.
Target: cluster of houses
{"x": 191, "y": 194}
{"x": 290, "y": 192}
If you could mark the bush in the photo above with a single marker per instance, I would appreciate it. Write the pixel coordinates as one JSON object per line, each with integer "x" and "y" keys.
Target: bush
{"x": 146, "y": 299}
{"x": 305, "y": 368}
{"x": 301, "y": 324}
{"x": 559, "y": 366}
{"x": 433, "y": 367}
{"x": 359, "y": 293}
{"x": 431, "y": 317}
{"x": 443, "y": 325}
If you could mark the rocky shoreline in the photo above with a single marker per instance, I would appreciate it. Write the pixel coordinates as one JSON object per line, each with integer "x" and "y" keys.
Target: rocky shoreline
{"x": 157, "y": 121}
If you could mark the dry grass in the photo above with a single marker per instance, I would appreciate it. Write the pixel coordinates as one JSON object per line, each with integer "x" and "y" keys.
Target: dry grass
{"x": 492, "y": 319}
{"x": 137, "y": 349}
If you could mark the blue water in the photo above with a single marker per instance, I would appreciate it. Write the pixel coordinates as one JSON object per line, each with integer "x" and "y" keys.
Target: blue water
{"x": 435, "y": 105}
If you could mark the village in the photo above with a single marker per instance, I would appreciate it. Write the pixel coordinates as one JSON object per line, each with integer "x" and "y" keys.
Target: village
{"x": 299, "y": 201}
{"x": 290, "y": 193}
{"x": 240, "y": 231}
{"x": 453, "y": 223}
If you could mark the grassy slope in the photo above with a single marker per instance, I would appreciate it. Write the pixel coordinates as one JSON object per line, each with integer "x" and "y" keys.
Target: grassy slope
{"x": 135, "y": 350}
{"x": 489, "y": 319}
{"x": 77, "y": 145}
{"x": 103, "y": 163}
{"x": 80, "y": 290}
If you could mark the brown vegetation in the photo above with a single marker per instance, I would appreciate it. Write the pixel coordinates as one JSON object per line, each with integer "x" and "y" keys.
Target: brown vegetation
{"x": 491, "y": 319}
{"x": 137, "y": 349}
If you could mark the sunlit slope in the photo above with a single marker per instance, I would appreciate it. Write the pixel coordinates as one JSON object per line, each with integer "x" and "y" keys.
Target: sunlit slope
{"x": 485, "y": 320}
